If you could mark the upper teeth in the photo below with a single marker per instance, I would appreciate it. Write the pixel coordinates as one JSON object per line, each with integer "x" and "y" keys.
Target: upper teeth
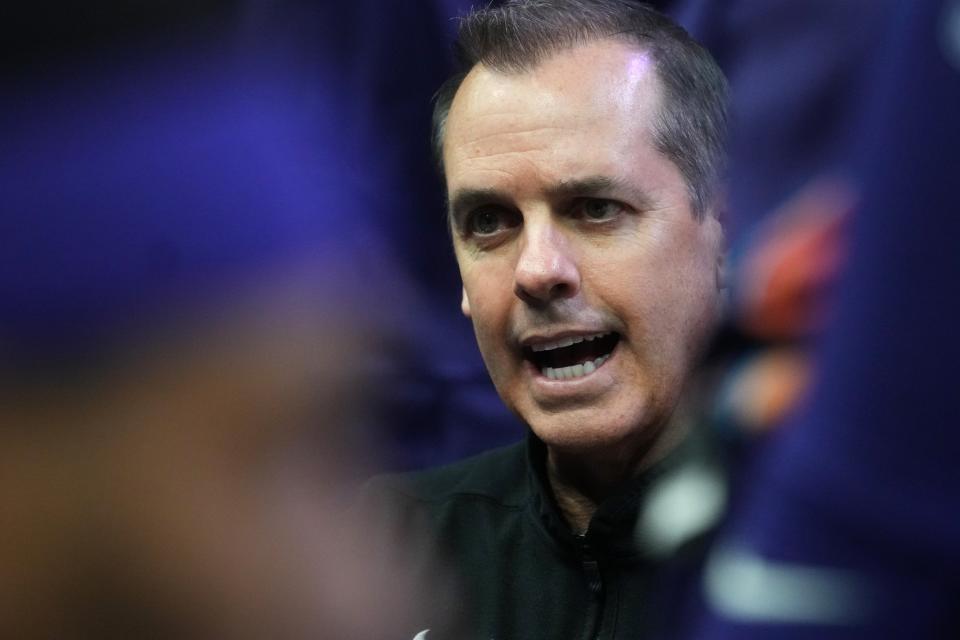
{"x": 566, "y": 342}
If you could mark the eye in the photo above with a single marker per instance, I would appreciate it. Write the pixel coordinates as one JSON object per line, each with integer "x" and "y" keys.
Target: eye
{"x": 598, "y": 210}
{"x": 489, "y": 221}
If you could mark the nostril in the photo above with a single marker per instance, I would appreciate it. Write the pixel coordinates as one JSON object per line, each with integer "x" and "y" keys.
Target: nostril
{"x": 543, "y": 294}
{"x": 525, "y": 295}
{"x": 560, "y": 290}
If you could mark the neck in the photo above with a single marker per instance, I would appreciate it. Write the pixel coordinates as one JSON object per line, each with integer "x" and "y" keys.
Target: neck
{"x": 581, "y": 481}
{"x": 577, "y": 497}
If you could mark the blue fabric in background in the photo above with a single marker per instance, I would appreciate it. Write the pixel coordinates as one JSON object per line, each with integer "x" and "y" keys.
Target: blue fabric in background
{"x": 138, "y": 180}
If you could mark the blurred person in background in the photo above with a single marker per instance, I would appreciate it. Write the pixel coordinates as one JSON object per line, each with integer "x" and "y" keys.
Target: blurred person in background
{"x": 179, "y": 339}
{"x": 846, "y": 526}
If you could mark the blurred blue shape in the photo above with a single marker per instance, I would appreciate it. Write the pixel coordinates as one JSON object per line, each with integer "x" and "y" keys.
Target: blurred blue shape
{"x": 139, "y": 181}
{"x": 864, "y": 479}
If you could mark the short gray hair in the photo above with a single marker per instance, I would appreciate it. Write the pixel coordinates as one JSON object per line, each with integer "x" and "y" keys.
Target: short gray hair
{"x": 691, "y": 127}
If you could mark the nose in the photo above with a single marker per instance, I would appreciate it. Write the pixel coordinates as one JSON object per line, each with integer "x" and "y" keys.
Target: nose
{"x": 546, "y": 268}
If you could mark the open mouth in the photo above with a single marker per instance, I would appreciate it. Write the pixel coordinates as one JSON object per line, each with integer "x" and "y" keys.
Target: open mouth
{"x": 573, "y": 356}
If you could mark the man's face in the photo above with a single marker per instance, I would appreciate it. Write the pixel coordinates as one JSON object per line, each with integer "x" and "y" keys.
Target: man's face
{"x": 569, "y": 225}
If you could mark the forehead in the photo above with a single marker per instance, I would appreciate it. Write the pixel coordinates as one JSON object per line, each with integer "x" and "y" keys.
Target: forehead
{"x": 583, "y": 110}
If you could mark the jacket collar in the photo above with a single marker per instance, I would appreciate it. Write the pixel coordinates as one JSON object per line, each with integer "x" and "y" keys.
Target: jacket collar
{"x": 625, "y": 523}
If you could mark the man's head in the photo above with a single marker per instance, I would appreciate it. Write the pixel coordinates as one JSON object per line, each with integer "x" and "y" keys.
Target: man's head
{"x": 581, "y": 150}
{"x": 689, "y": 129}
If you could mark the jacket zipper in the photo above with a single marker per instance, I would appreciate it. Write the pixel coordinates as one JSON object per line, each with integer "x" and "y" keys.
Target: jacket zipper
{"x": 591, "y": 571}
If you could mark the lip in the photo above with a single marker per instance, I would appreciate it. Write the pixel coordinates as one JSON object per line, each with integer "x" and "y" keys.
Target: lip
{"x": 595, "y": 382}
{"x": 544, "y": 338}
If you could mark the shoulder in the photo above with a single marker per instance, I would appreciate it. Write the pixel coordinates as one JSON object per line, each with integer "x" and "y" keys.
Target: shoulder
{"x": 498, "y": 476}
{"x": 448, "y": 525}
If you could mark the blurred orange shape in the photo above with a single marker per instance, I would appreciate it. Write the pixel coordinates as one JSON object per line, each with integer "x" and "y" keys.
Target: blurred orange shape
{"x": 788, "y": 272}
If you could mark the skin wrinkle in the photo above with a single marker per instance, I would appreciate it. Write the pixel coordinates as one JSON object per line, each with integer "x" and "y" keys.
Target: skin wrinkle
{"x": 521, "y": 155}
{"x": 493, "y": 156}
{"x": 522, "y": 132}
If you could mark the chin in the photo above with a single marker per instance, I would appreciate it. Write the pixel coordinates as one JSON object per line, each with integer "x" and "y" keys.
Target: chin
{"x": 595, "y": 429}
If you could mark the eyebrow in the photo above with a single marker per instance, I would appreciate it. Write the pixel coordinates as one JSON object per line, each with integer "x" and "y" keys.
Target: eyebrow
{"x": 599, "y": 186}
{"x": 465, "y": 200}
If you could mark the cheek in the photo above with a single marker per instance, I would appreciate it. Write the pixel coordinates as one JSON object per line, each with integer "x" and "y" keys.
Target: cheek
{"x": 490, "y": 312}
{"x": 490, "y": 341}
{"x": 665, "y": 294}
{"x": 490, "y": 295}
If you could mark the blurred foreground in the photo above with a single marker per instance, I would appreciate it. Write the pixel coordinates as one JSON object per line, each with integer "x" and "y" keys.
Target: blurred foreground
{"x": 181, "y": 400}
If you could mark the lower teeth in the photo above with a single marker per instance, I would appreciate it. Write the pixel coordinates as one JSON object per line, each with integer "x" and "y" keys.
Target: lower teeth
{"x": 574, "y": 371}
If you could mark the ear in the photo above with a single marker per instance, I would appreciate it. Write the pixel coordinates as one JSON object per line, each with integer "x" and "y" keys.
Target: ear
{"x": 465, "y": 304}
{"x": 718, "y": 240}
{"x": 723, "y": 272}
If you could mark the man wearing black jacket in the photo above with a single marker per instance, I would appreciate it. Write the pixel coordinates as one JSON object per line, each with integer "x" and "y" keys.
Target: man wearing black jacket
{"x": 581, "y": 147}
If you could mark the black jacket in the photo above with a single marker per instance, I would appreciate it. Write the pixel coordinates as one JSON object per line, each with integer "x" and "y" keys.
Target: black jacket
{"x": 522, "y": 572}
